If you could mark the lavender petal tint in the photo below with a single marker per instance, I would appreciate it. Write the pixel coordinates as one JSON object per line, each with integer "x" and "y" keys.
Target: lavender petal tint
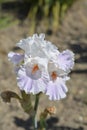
{"x": 30, "y": 85}
{"x": 23, "y": 81}
{"x": 56, "y": 90}
{"x": 15, "y": 58}
{"x": 66, "y": 60}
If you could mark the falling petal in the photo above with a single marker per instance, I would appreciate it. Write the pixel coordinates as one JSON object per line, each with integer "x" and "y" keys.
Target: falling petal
{"x": 56, "y": 90}
{"x": 30, "y": 85}
{"x": 23, "y": 81}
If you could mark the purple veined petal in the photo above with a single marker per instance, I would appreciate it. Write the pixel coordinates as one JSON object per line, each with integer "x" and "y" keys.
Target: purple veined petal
{"x": 66, "y": 60}
{"x": 23, "y": 81}
{"x": 15, "y": 58}
{"x": 36, "y": 75}
{"x": 30, "y": 85}
{"x": 56, "y": 90}
{"x": 40, "y": 85}
{"x": 35, "y": 66}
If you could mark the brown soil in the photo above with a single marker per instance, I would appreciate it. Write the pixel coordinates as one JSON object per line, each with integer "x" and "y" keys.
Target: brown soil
{"x": 72, "y": 111}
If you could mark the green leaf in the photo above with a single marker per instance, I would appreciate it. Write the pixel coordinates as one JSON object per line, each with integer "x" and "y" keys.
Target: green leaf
{"x": 26, "y": 102}
{"x": 7, "y": 95}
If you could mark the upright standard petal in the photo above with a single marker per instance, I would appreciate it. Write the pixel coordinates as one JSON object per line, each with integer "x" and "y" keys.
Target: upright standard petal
{"x": 66, "y": 60}
{"x": 57, "y": 89}
{"x": 37, "y": 46}
{"x": 25, "y": 44}
{"x": 15, "y": 58}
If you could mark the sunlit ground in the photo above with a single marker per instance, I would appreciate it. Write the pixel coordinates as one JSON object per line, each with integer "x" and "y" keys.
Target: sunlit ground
{"x": 71, "y": 34}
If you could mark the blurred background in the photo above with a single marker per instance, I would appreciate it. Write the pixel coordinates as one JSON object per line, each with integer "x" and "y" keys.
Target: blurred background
{"x": 65, "y": 24}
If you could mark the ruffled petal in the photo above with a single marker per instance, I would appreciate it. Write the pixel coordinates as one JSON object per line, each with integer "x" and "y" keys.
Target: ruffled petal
{"x": 41, "y": 65}
{"x": 42, "y": 36}
{"x": 40, "y": 85}
{"x": 25, "y": 44}
{"x": 15, "y": 58}
{"x": 37, "y": 46}
{"x": 56, "y": 90}
{"x": 30, "y": 85}
{"x": 66, "y": 60}
{"x": 23, "y": 81}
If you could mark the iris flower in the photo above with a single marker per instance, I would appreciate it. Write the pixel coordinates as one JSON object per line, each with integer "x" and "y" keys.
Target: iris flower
{"x": 42, "y": 68}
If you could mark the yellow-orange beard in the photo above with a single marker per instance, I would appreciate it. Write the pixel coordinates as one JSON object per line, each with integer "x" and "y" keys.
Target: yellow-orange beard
{"x": 54, "y": 76}
{"x": 35, "y": 68}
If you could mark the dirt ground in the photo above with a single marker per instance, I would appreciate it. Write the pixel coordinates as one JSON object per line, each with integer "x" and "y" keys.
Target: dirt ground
{"x": 72, "y": 111}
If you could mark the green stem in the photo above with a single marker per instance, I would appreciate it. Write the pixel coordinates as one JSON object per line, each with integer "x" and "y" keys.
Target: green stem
{"x": 43, "y": 124}
{"x": 35, "y": 111}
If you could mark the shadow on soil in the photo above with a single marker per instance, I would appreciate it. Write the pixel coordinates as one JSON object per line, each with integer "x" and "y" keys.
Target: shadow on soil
{"x": 81, "y": 50}
{"x": 79, "y": 71}
{"x": 51, "y": 124}
{"x": 19, "y": 8}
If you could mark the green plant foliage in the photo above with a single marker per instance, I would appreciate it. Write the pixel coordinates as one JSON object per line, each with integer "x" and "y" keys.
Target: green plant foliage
{"x": 2, "y": 1}
{"x": 50, "y": 11}
{"x": 6, "y": 21}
